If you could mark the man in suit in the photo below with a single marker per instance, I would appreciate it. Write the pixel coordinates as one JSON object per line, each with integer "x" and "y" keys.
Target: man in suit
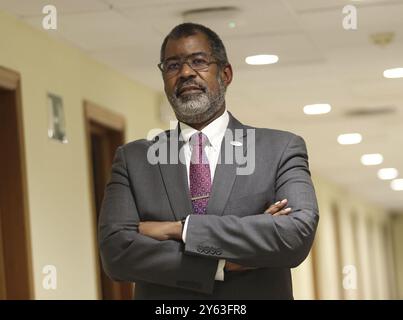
{"x": 186, "y": 215}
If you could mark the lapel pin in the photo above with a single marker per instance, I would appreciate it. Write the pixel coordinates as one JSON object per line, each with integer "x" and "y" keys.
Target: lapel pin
{"x": 236, "y": 143}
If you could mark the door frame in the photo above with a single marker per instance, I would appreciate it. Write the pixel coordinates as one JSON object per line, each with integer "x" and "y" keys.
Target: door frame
{"x": 112, "y": 120}
{"x": 11, "y": 80}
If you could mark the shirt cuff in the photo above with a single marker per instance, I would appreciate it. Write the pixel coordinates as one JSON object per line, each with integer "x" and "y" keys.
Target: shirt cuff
{"x": 185, "y": 227}
{"x": 219, "y": 276}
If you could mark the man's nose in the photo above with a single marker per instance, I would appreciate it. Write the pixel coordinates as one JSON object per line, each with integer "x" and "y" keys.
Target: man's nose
{"x": 186, "y": 71}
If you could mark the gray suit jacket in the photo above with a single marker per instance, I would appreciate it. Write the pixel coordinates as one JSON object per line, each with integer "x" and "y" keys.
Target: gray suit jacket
{"x": 234, "y": 228}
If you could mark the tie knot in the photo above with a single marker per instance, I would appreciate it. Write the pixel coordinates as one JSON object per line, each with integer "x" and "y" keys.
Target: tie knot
{"x": 198, "y": 139}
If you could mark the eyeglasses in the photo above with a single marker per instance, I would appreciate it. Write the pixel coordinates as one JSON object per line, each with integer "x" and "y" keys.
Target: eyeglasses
{"x": 196, "y": 61}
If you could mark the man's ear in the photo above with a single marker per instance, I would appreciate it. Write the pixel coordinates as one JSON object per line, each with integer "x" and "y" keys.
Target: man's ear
{"x": 226, "y": 74}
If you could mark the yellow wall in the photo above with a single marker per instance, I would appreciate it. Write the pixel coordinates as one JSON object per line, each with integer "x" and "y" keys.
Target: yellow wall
{"x": 58, "y": 186}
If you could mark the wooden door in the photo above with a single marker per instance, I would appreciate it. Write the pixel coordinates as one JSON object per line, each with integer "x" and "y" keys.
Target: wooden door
{"x": 105, "y": 132}
{"x": 15, "y": 248}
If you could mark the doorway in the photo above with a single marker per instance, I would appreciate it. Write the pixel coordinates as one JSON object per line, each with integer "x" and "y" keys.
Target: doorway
{"x": 15, "y": 247}
{"x": 105, "y": 132}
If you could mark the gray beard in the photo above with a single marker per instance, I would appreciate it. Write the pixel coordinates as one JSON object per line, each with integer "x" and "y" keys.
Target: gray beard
{"x": 198, "y": 108}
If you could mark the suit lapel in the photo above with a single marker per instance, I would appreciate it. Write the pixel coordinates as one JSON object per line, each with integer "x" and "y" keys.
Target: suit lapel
{"x": 226, "y": 169}
{"x": 174, "y": 176}
{"x": 174, "y": 173}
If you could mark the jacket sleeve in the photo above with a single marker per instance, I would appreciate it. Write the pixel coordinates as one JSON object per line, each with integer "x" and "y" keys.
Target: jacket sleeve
{"x": 263, "y": 240}
{"x": 129, "y": 256}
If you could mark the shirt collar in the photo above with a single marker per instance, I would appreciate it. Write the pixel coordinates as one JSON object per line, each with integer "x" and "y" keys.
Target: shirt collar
{"x": 214, "y": 131}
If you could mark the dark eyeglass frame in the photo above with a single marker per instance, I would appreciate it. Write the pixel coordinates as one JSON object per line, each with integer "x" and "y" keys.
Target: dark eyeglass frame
{"x": 185, "y": 60}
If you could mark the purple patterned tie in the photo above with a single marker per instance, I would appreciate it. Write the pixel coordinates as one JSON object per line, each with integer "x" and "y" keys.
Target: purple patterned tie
{"x": 199, "y": 174}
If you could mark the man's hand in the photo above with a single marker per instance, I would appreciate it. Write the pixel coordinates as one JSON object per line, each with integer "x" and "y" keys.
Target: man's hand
{"x": 161, "y": 230}
{"x": 275, "y": 210}
{"x": 230, "y": 266}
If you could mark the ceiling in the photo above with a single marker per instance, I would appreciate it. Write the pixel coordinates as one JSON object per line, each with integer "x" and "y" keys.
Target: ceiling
{"x": 320, "y": 62}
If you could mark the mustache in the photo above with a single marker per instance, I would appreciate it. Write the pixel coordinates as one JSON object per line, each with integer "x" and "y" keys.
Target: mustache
{"x": 186, "y": 83}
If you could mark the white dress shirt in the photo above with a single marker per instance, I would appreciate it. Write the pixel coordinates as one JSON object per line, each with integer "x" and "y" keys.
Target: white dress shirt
{"x": 215, "y": 132}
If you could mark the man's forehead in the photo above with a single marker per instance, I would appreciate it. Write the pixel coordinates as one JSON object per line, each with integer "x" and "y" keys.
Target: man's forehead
{"x": 187, "y": 45}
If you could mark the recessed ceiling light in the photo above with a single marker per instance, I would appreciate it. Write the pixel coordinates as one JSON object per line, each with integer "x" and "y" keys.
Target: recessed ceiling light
{"x": 231, "y": 24}
{"x": 319, "y": 108}
{"x": 397, "y": 184}
{"x": 262, "y": 59}
{"x": 387, "y": 173}
{"x": 393, "y": 73}
{"x": 349, "y": 138}
{"x": 371, "y": 159}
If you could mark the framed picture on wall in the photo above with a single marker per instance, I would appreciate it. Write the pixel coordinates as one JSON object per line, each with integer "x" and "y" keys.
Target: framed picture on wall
{"x": 57, "y": 124}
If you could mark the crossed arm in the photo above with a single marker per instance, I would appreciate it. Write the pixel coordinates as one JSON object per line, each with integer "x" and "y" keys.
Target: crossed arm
{"x": 172, "y": 230}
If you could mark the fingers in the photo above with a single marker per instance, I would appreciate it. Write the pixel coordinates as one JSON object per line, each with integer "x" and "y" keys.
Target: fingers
{"x": 282, "y": 212}
{"x": 230, "y": 266}
{"x": 278, "y": 206}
